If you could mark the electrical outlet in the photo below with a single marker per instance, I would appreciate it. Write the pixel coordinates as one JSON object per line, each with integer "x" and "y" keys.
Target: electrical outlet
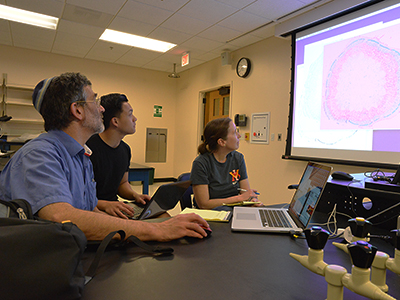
{"x": 279, "y": 137}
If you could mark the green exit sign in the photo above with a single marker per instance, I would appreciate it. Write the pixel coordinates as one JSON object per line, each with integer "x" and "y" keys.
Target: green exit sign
{"x": 157, "y": 111}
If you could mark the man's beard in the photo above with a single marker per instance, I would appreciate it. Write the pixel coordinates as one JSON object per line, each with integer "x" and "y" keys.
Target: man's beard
{"x": 95, "y": 123}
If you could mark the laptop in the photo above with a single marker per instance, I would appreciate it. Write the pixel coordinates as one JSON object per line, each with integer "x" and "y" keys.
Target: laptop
{"x": 165, "y": 198}
{"x": 299, "y": 213}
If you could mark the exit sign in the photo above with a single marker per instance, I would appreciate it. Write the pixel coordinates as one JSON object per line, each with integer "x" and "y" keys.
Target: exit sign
{"x": 185, "y": 59}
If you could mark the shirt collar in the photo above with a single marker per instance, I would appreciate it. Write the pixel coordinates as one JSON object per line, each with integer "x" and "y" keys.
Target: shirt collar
{"x": 72, "y": 146}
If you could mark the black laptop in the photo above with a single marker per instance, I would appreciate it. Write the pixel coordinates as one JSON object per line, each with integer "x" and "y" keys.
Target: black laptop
{"x": 165, "y": 198}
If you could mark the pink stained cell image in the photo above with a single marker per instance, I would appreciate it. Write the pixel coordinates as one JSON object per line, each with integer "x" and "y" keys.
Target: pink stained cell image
{"x": 362, "y": 85}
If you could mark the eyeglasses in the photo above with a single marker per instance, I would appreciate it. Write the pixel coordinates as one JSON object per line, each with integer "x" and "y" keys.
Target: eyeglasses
{"x": 97, "y": 101}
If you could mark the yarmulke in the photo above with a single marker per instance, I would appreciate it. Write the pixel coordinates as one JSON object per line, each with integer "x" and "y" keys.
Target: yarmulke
{"x": 39, "y": 91}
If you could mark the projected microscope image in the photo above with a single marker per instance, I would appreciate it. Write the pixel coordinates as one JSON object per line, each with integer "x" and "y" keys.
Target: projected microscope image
{"x": 362, "y": 85}
{"x": 351, "y": 91}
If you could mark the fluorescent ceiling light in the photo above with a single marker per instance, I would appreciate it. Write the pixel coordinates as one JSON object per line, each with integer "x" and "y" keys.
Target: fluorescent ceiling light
{"x": 135, "y": 41}
{"x": 27, "y": 17}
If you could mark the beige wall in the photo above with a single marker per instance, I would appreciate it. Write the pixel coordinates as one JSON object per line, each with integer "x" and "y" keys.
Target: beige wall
{"x": 144, "y": 89}
{"x": 267, "y": 89}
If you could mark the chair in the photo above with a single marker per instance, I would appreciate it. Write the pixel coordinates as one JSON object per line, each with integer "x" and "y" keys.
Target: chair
{"x": 186, "y": 200}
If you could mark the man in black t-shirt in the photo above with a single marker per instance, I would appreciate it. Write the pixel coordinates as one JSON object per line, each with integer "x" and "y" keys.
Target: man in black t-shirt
{"x": 111, "y": 157}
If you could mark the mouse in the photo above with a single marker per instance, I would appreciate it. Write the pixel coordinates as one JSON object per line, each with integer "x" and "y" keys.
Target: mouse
{"x": 341, "y": 176}
{"x": 207, "y": 230}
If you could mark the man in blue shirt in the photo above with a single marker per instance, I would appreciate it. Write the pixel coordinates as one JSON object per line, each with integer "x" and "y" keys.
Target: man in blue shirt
{"x": 54, "y": 174}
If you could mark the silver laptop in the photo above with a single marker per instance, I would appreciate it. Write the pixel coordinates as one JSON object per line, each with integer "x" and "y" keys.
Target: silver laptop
{"x": 299, "y": 213}
{"x": 165, "y": 198}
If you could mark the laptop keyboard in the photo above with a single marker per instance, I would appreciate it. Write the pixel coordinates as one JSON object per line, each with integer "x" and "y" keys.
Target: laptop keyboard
{"x": 274, "y": 218}
{"x": 137, "y": 210}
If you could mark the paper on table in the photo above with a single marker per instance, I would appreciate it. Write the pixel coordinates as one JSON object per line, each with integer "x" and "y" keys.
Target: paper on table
{"x": 209, "y": 215}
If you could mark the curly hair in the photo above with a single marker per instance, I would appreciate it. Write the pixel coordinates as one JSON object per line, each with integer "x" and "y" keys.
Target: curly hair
{"x": 62, "y": 91}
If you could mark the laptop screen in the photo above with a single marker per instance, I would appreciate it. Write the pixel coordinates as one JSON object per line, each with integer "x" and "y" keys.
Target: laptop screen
{"x": 308, "y": 192}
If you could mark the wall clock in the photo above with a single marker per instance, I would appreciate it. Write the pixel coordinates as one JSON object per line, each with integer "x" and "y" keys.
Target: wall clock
{"x": 243, "y": 67}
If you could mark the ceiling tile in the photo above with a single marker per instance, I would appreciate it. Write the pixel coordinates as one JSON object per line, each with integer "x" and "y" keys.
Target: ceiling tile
{"x": 224, "y": 48}
{"x": 5, "y": 33}
{"x": 220, "y": 33}
{"x": 243, "y": 21}
{"x": 72, "y": 44}
{"x": 264, "y": 32}
{"x": 171, "y": 5}
{"x": 207, "y": 10}
{"x": 4, "y": 25}
{"x": 86, "y": 16}
{"x": 5, "y": 39}
{"x": 131, "y": 26}
{"x": 168, "y": 35}
{"x": 136, "y": 58}
{"x": 106, "y": 6}
{"x": 80, "y": 29}
{"x": 141, "y": 53}
{"x": 237, "y": 3}
{"x": 306, "y": 2}
{"x": 185, "y": 24}
{"x": 106, "y": 51}
{"x": 32, "y": 37}
{"x": 144, "y": 13}
{"x": 245, "y": 40}
{"x": 201, "y": 43}
{"x": 268, "y": 8}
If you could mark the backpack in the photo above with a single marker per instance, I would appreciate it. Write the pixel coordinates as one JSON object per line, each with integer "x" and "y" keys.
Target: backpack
{"x": 41, "y": 259}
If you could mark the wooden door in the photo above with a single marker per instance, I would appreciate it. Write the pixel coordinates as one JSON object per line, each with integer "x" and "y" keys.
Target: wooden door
{"x": 217, "y": 106}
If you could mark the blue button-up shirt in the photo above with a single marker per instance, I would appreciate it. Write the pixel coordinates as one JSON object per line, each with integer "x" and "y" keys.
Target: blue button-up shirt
{"x": 49, "y": 169}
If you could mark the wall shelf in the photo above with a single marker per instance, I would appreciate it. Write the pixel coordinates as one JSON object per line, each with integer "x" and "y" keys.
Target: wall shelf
{"x": 26, "y": 121}
{"x": 16, "y": 101}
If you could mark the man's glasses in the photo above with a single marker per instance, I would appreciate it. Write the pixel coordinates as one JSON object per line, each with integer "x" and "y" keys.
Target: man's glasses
{"x": 97, "y": 101}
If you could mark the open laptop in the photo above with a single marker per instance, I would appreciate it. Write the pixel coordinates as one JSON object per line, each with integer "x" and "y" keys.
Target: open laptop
{"x": 165, "y": 198}
{"x": 299, "y": 213}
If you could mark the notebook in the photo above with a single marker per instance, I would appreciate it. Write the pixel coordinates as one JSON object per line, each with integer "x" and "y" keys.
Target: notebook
{"x": 299, "y": 213}
{"x": 208, "y": 214}
{"x": 165, "y": 198}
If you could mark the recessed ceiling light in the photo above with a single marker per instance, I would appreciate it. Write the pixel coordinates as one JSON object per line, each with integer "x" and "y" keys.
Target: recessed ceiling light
{"x": 27, "y": 17}
{"x": 135, "y": 41}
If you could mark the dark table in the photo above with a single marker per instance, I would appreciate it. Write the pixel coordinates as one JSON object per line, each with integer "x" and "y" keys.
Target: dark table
{"x": 228, "y": 265}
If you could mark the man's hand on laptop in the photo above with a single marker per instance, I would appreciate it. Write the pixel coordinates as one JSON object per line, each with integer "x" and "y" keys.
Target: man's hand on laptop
{"x": 116, "y": 208}
{"x": 142, "y": 199}
{"x": 182, "y": 225}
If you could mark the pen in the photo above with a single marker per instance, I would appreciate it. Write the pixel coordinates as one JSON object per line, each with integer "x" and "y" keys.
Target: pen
{"x": 243, "y": 190}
